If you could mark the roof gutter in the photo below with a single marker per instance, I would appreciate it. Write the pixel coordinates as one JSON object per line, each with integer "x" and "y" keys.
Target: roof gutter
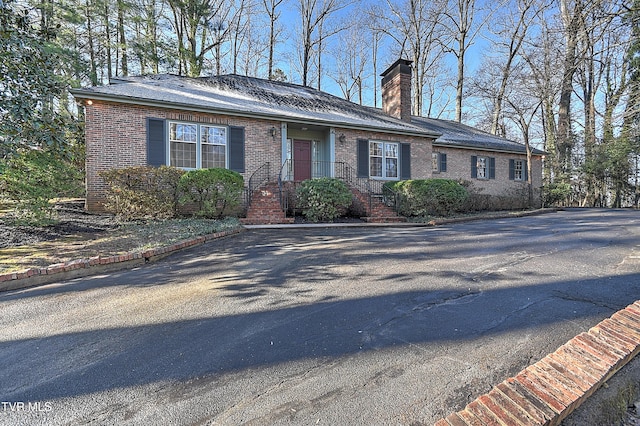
{"x": 442, "y": 144}
{"x": 83, "y": 94}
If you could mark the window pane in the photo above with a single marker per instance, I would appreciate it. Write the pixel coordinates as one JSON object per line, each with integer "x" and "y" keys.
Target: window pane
{"x": 392, "y": 168}
{"x": 375, "y": 167}
{"x": 435, "y": 163}
{"x": 482, "y": 167}
{"x": 183, "y": 132}
{"x": 183, "y": 155}
{"x": 214, "y": 135}
{"x": 391, "y": 150}
{"x": 213, "y": 156}
{"x": 376, "y": 149}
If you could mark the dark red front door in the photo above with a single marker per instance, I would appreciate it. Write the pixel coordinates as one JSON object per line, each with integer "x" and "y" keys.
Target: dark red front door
{"x": 301, "y": 160}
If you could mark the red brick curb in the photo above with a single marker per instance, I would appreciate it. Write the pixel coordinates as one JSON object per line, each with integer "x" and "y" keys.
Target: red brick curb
{"x": 549, "y": 390}
{"x": 82, "y": 267}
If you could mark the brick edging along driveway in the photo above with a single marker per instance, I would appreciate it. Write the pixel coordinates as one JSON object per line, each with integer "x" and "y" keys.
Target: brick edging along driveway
{"x": 549, "y": 390}
{"x": 84, "y": 267}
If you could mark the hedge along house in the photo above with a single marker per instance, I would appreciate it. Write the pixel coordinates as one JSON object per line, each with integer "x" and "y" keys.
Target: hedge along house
{"x": 275, "y": 134}
{"x": 493, "y": 167}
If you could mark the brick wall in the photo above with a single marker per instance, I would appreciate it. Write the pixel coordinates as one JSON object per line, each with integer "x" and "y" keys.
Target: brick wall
{"x": 420, "y": 149}
{"x": 116, "y": 138}
{"x": 459, "y": 168}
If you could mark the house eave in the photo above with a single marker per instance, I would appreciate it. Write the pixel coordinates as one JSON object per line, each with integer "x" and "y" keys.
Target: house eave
{"x": 86, "y": 95}
{"x": 471, "y": 147}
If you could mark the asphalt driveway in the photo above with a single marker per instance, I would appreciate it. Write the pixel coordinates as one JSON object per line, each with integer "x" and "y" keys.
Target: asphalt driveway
{"x": 322, "y": 326}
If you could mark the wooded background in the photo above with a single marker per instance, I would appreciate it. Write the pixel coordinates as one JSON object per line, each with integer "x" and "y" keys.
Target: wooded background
{"x": 560, "y": 75}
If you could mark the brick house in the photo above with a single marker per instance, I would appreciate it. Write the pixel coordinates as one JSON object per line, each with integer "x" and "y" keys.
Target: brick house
{"x": 278, "y": 134}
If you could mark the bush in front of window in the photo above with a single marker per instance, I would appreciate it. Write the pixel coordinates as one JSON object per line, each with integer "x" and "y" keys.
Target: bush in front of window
{"x": 215, "y": 192}
{"x": 142, "y": 192}
{"x": 425, "y": 197}
{"x": 324, "y": 199}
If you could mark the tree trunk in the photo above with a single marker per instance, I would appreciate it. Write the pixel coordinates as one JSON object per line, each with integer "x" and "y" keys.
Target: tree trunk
{"x": 123, "y": 41}
{"x": 107, "y": 43}
{"x": 565, "y": 136}
{"x": 460, "y": 84}
{"x": 93, "y": 73}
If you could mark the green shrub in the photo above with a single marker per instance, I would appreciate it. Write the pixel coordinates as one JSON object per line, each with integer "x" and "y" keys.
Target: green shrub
{"x": 324, "y": 198}
{"x": 555, "y": 193}
{"x": 142, "y": 192}
{"x": 32, "y": 178}
{"x": 216, "y": 192}
{"x": 423, "y": 197}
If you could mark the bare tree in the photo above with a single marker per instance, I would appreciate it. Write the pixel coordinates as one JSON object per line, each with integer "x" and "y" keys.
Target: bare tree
{"x": 458, "y": 23}
{"x": 543, "y": 60}
{"x": 376, "y": 38}
{"x": 411, "y": 24}
{"x": 271, "y": 6}
{"x": 512, "y": 27}
{"x": 522, "y": 106}
{"x": 315, "y": 29}
{"x": 351, "y": 58}
{"x": 248, "y": 40}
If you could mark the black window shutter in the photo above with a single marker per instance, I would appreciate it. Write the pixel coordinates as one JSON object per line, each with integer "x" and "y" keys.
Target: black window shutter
{"x": 156, "y": 142}
{"x": 363, "y": 158}
{"x": 443, "y": 162}
{"x": 236, "y": 149}
{"x": 512, "y": 169}
{"x": 526, "y": 171}
{"x": 492, "y": 168}
{"x": 474, "y": 166}
{"x": 405, "y": 161}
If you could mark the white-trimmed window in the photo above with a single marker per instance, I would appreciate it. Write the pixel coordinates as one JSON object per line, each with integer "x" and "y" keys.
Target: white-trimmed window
{"x": 193, "y": 146}
{"x": 518, "y": 170}
{"x": 483, "y": 167}
{"x": 183, "y": 142}
{"x": 383, "y": 159}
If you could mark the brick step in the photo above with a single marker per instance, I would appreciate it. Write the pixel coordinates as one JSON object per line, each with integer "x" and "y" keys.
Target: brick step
{"x": 377, "y": 211}
{"x": 265, "y": 208}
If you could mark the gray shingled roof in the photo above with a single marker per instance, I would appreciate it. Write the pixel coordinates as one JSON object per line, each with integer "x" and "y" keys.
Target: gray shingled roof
{"x": 248, "y": 96}
{"x": 455, "y": 134}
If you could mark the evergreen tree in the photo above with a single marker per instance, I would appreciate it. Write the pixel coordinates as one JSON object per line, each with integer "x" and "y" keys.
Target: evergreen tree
{"x": 29, "y": 87}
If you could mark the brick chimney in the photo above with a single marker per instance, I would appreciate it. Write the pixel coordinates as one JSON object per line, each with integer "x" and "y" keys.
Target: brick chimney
{"x": 396, "y": 90}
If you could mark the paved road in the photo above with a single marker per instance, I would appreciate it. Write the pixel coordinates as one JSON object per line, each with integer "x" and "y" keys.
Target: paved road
{"x": 323, "y": 326}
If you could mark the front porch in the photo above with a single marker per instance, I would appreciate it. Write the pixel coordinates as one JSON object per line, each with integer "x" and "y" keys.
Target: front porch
{"x": 270, "y": 197}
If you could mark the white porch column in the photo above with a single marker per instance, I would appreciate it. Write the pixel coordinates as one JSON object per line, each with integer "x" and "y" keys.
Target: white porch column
{"x": 332, "y": 151}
